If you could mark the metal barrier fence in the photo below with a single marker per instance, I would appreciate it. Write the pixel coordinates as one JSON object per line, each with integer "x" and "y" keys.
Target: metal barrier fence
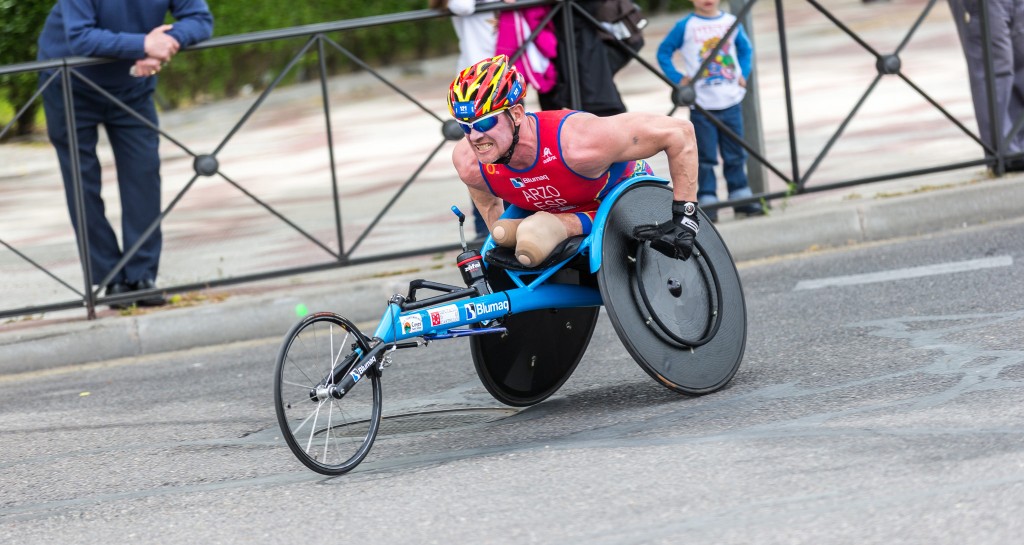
{"x": 311, "y": 219}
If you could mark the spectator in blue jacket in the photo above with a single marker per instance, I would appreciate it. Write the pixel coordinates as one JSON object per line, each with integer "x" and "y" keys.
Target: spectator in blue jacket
{"x": 720, "y": 89}
{"x": 134, "y": 33}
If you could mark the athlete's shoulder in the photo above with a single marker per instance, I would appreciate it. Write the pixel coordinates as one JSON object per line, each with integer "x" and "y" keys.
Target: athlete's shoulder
{"x": 585, "y": 139}
{"x": 547, "y": 116}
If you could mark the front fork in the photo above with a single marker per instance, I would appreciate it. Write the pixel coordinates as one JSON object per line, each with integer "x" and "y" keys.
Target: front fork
{"x": 344, "y": 376}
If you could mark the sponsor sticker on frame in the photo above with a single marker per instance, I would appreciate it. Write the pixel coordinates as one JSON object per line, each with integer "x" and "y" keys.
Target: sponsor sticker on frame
{"x": 412, "y": 324}
{"x": 444, "y": 315}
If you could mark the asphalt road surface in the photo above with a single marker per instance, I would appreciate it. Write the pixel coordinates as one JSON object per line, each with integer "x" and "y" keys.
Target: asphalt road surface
{"x": 880, "y": 401}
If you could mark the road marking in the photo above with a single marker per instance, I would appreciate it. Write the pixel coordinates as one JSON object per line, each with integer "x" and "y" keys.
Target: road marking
{"x": 903, "y": 274}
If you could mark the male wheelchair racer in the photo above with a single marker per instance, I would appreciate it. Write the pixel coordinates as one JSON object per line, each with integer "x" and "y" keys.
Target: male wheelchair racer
{"x": 684, "y": 322}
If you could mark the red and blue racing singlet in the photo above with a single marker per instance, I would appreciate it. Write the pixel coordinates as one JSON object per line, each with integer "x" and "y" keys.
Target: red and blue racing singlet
{"x": 549, "y": 184}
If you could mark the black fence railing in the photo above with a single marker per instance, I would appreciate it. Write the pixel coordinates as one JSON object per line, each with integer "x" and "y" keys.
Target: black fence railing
{"x": 332, "y": 239}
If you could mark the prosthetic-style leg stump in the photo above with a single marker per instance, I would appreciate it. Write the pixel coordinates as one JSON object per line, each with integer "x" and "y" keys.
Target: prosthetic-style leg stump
{"x": 504, "y": 232}
{"x": 537, "y": 236}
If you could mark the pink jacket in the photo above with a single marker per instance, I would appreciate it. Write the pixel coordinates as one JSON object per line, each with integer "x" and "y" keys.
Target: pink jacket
{"x": 536, "y": 64}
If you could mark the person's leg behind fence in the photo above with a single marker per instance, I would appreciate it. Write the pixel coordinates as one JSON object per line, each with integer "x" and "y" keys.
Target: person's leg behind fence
{"x": 136, "y": 147}
{"x": 707, "y": 154}
{"x": 104, "y": 251}
{"x": 734, "y": 162}
{"x": 1015, "y": 24}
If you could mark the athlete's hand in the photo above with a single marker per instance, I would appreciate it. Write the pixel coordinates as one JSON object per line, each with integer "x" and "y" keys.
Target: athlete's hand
{"x": 673, "y": 238}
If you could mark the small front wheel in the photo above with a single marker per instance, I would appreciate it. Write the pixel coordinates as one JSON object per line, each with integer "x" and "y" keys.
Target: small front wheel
{"x": 330, "y": 436}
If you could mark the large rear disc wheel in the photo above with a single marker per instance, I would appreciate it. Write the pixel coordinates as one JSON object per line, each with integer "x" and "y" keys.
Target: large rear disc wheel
{"x": 684, "y": 322}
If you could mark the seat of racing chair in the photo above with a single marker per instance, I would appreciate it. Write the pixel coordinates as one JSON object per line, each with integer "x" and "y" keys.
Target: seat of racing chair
{"x": 506, "y": 259}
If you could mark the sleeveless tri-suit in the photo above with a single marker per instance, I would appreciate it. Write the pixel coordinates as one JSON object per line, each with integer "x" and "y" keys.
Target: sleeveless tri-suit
{"x": 549, "y": 184}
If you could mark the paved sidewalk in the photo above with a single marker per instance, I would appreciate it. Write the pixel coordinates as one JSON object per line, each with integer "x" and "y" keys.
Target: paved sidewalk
{"x": 280, "y": 156}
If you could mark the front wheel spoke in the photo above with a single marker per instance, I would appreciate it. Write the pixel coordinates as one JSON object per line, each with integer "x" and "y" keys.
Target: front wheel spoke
{"x": 341, "y": 348}
{"x": 312, "y": 429}
{"x": 297, "y": 385}
{"x": 344, "y": 416}
{"x": 300, "y": 369}
{"x": 327, "y": 434}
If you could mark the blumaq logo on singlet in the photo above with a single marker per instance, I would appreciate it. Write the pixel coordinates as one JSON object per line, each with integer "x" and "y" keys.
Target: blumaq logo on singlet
{"x": 518, "y": 183}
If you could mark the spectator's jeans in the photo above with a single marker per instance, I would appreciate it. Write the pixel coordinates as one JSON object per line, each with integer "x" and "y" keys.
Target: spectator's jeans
{"x": 137, "y": 160}
{"x": 710, "y": 140}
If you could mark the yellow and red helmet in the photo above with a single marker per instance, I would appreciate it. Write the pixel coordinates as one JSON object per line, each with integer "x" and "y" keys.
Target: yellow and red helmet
{"x": 490, "y": 85}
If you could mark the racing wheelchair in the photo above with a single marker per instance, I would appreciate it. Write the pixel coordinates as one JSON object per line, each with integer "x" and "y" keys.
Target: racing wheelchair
{"x": 684, "y": 322}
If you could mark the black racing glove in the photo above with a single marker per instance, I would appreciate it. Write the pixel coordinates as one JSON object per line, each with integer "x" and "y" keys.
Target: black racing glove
{"x": 673, "y": 238}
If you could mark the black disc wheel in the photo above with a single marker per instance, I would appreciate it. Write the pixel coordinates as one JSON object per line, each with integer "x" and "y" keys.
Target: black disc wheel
{"x": 684, "y": 322}
{"x": 536, "y": 356}
{"x": 330, "y": 436}
{"x": 540, "y": 350}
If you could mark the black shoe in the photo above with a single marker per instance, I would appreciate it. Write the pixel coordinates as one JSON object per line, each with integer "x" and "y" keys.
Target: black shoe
{"x": 1015, "y": 165}
{"x": 712, "y": 215}
{"x": 155, "y": 300}
{"x": 752, "y": 209}
{"x": 118, "y": 288}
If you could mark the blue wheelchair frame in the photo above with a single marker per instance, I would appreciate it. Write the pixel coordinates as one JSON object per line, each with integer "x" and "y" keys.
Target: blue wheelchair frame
{"x": 441, "y": 321}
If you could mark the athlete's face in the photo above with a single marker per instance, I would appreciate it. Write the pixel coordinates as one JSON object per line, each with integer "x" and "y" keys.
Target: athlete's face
{"x": 489, "y": 146}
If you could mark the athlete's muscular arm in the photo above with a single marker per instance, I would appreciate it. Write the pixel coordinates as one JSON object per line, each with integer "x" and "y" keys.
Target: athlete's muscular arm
{"x": 592, "y": 143}
{"x": 468, "y": 168}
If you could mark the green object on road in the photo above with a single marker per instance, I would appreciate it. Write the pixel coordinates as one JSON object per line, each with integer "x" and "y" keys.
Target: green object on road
{"x": 301, "y": 310}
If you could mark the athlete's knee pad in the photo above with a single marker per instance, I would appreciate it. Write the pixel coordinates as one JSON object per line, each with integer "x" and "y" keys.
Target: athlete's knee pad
{"x": 537, "y": 235}
{"x": 504, "y": 232}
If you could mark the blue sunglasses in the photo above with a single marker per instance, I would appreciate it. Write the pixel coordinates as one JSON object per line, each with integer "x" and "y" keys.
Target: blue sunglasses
{"x": 483, "y": 124}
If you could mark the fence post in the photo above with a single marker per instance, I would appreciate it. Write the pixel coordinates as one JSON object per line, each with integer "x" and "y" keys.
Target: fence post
{"x": 752, "y": 111}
